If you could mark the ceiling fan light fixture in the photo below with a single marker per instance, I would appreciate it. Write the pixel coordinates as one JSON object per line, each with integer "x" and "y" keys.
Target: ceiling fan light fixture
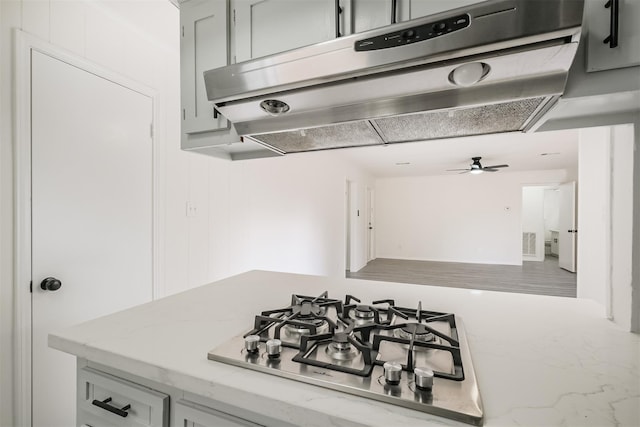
{"x": 476, "y": 171}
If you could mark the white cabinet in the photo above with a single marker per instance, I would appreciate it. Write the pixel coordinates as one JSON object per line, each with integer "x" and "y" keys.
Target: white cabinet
{"x": 105, "y": 400}
{"x": 203, "y": 46}
{"x": 600, "y": 56}
{"x": 189, "y": 414}
{"x": 265, "y": 27}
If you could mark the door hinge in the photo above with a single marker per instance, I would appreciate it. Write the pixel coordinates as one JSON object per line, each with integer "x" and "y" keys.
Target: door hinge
{"x": 184, "y": 114}
{"x": 183, "y": 31}
{"x": 234, "y": 17}
{"x": 31, "y": 286}
{"x": 151, "y": 130}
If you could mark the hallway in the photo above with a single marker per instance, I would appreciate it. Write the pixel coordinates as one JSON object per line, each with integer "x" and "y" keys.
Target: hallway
{"x": 541, "y": 278}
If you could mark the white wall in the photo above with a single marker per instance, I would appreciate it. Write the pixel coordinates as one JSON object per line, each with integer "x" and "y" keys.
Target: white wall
{"x": 635, "y": 259}
{"x": 622, "y": 187}
{"x": 288, "y": 214}
{"x": 533, "y": 219}
{"x": 593, "y": 214}
{"x": 605, "y": 199}
{"x": 458, "y": 218}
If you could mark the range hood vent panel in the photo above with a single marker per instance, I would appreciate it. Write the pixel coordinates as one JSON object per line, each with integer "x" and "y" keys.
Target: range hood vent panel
{"x": 504, "y": 117}
{"x": 344, "y": 135}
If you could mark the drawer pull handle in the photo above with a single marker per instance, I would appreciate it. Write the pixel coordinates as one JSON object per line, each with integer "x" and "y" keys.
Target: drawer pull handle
{"x": 104, "y": 404}
{"x": 612, "y": 38}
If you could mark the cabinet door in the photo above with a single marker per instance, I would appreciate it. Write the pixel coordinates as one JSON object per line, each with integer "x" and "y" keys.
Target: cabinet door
{"x": 189, "y": 414}
{"x": 203, "y": 46}
{"x": 265, "y": 27}
{"x": 370, "y": 14}
{"x": 597, "y": 18}
{"x": 105, "y": 400}
{"x": 412, "y": 9}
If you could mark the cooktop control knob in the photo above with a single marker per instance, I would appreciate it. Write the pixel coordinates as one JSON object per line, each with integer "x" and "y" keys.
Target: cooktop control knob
{"x": 392, "y": 372}
{"x": 409, "y": 35}
{"x": 439, "y": 27}
{"x": 274, "y": 347}
{"x": 251, "y": 343}
{"x": 423, "y": 377}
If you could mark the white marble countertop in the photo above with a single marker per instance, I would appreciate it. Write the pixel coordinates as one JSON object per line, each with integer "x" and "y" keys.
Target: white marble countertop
{"x": 539, "y": 361}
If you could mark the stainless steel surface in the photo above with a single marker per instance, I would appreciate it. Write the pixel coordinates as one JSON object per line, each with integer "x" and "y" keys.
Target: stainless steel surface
{"x": 520, "y": 21}
{"x": 392, "y": 372}
{"x": 458, "y": 400}
{"x": 423, "y": 378}
{"x": 525, "y": 48}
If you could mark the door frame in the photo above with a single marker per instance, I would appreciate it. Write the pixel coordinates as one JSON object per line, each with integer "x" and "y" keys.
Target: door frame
{"x": 371, "y": 238}
{"x": 24, "y": 45}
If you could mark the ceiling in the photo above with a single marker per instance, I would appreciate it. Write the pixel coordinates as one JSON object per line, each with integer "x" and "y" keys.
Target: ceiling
{"x": 522, "y": 152}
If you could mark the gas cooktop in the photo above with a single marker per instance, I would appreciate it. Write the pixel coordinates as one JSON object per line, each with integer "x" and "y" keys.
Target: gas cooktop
{"x": 410, "y": 357}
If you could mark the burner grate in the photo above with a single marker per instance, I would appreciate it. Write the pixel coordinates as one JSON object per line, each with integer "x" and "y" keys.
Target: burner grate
{"x": 310, "y": 344}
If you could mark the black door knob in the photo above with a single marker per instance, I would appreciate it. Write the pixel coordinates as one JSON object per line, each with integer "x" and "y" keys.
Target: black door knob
{"x": 50, "y": 284}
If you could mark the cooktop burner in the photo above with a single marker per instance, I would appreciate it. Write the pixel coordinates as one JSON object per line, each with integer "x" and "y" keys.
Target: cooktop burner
{"x": 405, "y": 356}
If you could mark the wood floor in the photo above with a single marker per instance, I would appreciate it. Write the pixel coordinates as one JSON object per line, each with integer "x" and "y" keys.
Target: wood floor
{"x": 541, "y": 278}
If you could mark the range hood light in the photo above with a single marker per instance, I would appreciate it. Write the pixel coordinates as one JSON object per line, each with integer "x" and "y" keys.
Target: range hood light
{"x": 274, "y": 106}
{"x": 469, "y": 74}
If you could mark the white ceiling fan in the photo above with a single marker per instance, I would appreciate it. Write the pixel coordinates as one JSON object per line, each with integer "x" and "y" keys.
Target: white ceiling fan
{"x": 477, "y": 168}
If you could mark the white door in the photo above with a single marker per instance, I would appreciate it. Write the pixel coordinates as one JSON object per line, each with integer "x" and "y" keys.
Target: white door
{"x": 265, "y": 27}
{"x": 567, "y": 225}
{"x": 91, "y": 215}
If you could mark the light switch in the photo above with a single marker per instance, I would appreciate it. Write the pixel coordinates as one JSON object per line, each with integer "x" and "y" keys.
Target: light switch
{"x": 192, "y": 210}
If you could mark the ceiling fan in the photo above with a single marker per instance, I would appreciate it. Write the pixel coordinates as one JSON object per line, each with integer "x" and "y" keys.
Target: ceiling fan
{"x": 477, "y": 168}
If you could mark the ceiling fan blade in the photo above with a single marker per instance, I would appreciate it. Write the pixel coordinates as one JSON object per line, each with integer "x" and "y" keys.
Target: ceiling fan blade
{"x": 496, "y": 166}
{"x": 454, "y": 170}
{"x": 466, "y": 171}
{"x": 490, "y": 170}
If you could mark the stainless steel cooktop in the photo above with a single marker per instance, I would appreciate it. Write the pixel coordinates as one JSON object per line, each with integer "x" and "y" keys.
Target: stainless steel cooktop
{"x": 410, "y": 357}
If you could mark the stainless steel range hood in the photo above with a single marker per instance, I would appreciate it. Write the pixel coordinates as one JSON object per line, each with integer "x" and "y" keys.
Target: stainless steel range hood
{"x": 496, "y": 66}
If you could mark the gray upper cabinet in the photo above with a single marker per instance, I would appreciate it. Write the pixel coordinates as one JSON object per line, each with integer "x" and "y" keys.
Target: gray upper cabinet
{"x": 366, "y": 15}
{"x": 265, "y": 27}
{"x": 412, "y": 9}
{"x": 600, "y": 55}
{"x": 370, "y": 14}
{"x": 203, "y": 46}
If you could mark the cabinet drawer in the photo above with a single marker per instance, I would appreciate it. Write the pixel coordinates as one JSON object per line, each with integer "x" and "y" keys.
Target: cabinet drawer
{"x": 105, "y": 400}
{"x": 191, "y": 414}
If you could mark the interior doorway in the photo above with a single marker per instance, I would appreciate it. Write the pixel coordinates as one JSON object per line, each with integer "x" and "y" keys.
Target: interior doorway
{"x": 549, "y": 225}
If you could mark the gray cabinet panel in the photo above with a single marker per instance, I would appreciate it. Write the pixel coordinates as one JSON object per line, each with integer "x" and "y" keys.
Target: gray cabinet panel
{"x": 190, "y": 414}
{"x": 203, "y": 46}
{"x": 597, "y": 18}
{"x": 265, "y": 27}
{"x": 144, "y": 407}
{"x": 412, "y": 9}
{"x": 370, "y": 14}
